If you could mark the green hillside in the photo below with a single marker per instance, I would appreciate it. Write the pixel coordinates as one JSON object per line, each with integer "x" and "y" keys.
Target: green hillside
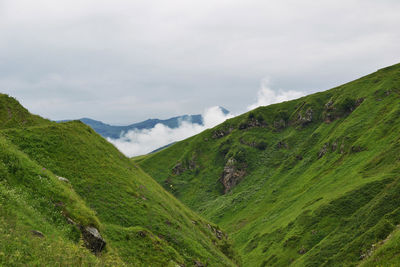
{"x": 59, "y": 180}
{"x": 309, "y": 182}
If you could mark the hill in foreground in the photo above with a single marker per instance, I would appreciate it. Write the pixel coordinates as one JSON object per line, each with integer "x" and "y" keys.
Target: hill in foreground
{"x": 309, "y": 182}
{"x": 69, "y": 197}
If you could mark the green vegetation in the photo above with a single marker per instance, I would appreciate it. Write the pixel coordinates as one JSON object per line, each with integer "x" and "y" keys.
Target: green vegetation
{"x": 42, "y": 215}
{"x": 316, "y": 181}
{"x": 309, "y": 182}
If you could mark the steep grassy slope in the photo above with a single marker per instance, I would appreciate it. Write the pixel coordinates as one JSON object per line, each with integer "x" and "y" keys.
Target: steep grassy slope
{"x": 309, "y": 182}
{"x": 12, "y": 114}
{"x": 33, "y": 206}
{"x": 142, "y": 224}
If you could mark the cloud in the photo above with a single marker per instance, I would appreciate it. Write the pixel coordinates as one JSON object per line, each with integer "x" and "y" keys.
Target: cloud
{"x": 139, "y": 142}
{"x": 267, "y": 96}
{"x": 177, "y": 57}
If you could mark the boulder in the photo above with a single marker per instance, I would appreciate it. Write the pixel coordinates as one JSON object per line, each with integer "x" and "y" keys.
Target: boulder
{"x": 178, "y": 169}
{"x": 93, "y": 239}
{"x": 37, "y": 233}
{"x": 62, "y": 179}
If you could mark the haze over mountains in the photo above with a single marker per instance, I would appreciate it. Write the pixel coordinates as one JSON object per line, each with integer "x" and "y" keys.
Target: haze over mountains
{"x": 154, "y": 134}
{"x": 115, "y": 131}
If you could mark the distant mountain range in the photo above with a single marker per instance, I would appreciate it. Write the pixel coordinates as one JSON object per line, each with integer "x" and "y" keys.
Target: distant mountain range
{"x": 113, "y": 131}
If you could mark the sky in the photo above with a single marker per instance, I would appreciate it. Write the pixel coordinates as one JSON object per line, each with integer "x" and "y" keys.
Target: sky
{"x": 126, "y": 61}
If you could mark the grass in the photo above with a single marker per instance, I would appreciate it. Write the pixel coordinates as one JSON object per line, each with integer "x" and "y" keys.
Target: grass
{"x": 142, "y": 224}
{"x": 321, "y": 187}
{"x": 33, "y": 199}
{"x": 317, "y": 192}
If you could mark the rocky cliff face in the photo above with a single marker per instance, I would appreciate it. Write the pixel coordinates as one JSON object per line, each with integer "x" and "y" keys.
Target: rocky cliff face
{"x": 231, "y": 175}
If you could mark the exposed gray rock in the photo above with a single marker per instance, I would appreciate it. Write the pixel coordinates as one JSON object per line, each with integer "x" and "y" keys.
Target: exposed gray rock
{"x": 323, "y": 150}
{"x": 282, "y": 144}
{"x": 218, "y": 233}
{"x": 37, "y": 233}
{"x": 221, "y": 133}
{"x": 93, "y": 239}
{"x": 280, "y": 124}
{"x": 70, "y": 221}
{"x": 178, "y": 168}
{"x": 62, "y": 179}
{"x": 198, "y": 264}
{"x": 360, "y": 100}
{"x": 306, "y": 118}
{"x": 231, "y": 175}
{"x": 251, "y": 123}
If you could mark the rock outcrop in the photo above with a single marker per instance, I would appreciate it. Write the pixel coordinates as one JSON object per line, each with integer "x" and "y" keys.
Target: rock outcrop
{"x": 218, "y": 233}
{"x": 93, "y": 240}
{"x": 306, "y": 118}
{"x": 221, "y": 133}
{"x": 178, "y": 169}
{"x": 281, "y": 145}
{"x": 252, "y": 123}
{"x": 334, "y": 111}
{"x": 323, "y": 150}
{"x": 280, "y": 124}
{"x": 62, "y": 179}
{"x": 37, "y": 233}
{"x": 231, "y": 175}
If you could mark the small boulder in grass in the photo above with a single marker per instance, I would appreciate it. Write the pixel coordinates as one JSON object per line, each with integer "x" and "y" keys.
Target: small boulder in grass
{"x": 37, "y": 233}
{"x": 62, "y": 179}
{"x": 93, "y": 239}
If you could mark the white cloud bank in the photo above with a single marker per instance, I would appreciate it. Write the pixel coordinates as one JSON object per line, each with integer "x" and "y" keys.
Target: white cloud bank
{"x": 266, "y": 96}
{"x": 139, "y": 142}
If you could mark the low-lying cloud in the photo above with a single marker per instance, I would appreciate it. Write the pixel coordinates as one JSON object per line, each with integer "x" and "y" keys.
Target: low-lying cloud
{"x": 139, "y": 142}
{"x": 266, "y": 96}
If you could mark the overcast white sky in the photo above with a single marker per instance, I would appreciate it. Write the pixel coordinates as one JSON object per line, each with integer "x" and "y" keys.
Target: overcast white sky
{"x": 125, "y": 61}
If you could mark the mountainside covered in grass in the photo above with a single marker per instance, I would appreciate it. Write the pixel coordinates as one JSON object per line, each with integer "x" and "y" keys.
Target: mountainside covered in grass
{"x": 69, "y": 197}
{"x": 309, "y": 182}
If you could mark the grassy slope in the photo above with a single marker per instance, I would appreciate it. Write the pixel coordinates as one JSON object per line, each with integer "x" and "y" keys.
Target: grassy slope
{"x": 294, "y": 207}
{"x": 142, "y": 223}
{"x": 33, "y": 199}
{"x": 12, "y": 114}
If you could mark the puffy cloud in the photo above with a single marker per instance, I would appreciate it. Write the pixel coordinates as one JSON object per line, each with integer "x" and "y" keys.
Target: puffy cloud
{"x": 267, "y": 96}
